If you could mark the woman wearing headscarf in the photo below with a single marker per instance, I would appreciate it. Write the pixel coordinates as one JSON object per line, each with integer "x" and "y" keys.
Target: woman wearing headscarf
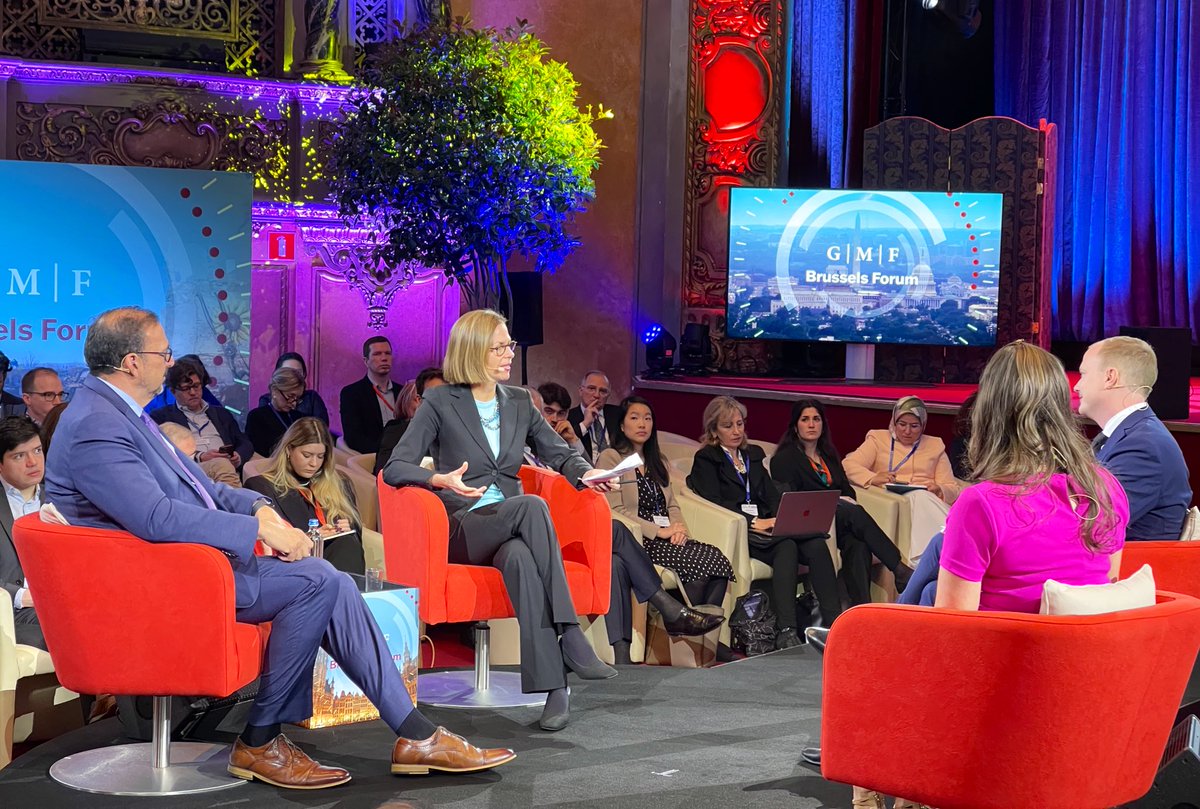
{"x": 904, "y": 454}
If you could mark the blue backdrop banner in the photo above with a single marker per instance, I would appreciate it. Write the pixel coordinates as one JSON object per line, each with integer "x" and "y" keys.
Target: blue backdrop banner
{"x": 80, "y": 239}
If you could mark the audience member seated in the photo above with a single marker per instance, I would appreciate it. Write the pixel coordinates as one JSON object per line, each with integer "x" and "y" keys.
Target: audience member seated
{"x": 163, "y": 498}
{"x": 729, "y": 471}
{"x": 371, "y": 402}
{"x": 165, "y": 398}
{"x": 1115, "y": 378}
{"x": 806, "y": 460}
{"x": 645, "y": 496}
{"x": 215, "y": 430}
{"x": 266, "y": 425}
{"x": 304, "y": 483}
{"x": 41, "y": 390}
{"x": 218, "y": 470}
{"x": 594, "y": 420}
{"x": 393, "y": 431}
{"x": 556, "y": 403}
{"x": 491, "y": 521}
{"x": 9, "y": 405}
{"x": 633, "y": 572}
{"x": 22, "y": 467}
{"x": 905, "y": 455}
{"x": 311, "y": 403}
{"x": 958, "y": 445}
{"x": 50, "y": 425}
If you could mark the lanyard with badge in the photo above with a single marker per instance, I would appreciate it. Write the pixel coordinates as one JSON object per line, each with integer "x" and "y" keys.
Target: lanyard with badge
{"x": 892, "y": 455}
{"x": 390, "y": 405}
{"x": 748, "y": 508}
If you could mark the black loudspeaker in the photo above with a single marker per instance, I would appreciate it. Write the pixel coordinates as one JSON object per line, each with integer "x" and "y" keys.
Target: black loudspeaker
{"x": 1173, "y": 347}
{"x": 524, "y": 310}
{"x": 207, "y": 719}
{"x": 695, "y": 348}
{"x": 1177, "y": 785}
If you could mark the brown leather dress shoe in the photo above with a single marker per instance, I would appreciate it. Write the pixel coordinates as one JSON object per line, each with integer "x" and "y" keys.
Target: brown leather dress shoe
{"x": 447, "y": 752}
{"x": 282, "y": 764}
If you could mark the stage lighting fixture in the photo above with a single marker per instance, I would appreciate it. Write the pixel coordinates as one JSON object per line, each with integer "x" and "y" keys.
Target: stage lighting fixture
{"x": 660, "y": 350}
{"x": 696, "y": 349}
{"x": 929, "y": 5}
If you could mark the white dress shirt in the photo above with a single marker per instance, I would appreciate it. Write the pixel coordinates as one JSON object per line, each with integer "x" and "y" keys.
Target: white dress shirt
{"x": 19, "y": 507}
{"x": 1112, "y": 424}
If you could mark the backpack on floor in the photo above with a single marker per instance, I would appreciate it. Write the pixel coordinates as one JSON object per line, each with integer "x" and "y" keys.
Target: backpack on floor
{"x": 752, "y": 624}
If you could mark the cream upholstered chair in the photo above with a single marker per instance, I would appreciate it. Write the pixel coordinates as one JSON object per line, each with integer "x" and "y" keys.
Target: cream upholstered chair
{"x": 254, "y": 466}
{"x": 359, "y": 470}
{"x": 33, "y": 706}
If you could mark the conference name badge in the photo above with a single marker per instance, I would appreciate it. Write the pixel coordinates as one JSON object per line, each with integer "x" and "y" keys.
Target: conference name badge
{"x": 750, "y": 508}
{"x": 661, "y": 521}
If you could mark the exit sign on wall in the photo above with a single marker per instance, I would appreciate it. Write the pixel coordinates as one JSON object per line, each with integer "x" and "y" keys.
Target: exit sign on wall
{"x": 282, "y": 247}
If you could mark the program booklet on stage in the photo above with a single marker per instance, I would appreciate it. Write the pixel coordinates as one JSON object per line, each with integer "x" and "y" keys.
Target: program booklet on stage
{"x": 632, "y": 462}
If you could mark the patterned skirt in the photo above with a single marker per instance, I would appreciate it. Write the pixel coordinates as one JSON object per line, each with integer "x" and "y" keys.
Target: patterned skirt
{"x": 690, "y": 561}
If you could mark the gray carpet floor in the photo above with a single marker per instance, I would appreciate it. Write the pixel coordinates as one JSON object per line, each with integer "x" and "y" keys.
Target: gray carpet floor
{"x": 652, "y": 737}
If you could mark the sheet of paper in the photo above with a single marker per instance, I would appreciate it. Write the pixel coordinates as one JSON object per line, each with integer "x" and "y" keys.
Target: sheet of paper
{"x": 632, "y": 462}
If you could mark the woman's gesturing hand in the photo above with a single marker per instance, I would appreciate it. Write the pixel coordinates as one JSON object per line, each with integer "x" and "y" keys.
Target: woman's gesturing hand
{"x": 454, "y": 482}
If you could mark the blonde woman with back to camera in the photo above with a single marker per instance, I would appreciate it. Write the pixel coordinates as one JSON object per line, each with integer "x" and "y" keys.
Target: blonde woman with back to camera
{"x": 477, "y": 429}
{"x": 904, "y": 454}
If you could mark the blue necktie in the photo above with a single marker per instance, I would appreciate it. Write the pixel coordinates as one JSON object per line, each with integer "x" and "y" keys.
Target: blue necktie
{"x": 149, "y": 422}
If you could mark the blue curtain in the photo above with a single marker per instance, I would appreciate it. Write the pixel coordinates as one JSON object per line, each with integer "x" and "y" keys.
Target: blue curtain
{"x": 1121, "y": 79}
{"x": 835, "y": 92}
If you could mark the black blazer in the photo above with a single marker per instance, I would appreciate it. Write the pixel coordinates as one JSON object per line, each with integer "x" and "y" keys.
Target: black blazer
{"x": 362, "y": 422}
{"x": 266, "y": 425}
{"x": 612, "y": 415}
{"x": 12, "y": 577}
{"x": 790, "y": 468}
{"x": 393, "y": 431}
{"x": 714, "y": 478}
{"x": 446, "y": 426}
{"x": 344, "y": 553}
{"x": 222, "y": 419}
{"x": 310, "y": 404}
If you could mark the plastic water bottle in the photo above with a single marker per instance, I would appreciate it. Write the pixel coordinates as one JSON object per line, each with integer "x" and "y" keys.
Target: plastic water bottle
{"x": 318, "y": 541}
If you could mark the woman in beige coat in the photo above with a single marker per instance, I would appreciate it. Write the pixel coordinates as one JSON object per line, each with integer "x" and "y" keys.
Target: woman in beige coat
{"x": 904, "y": 455}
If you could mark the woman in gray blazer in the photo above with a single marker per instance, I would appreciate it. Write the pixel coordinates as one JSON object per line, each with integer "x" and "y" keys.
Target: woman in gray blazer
{"x": 477, "y": 429}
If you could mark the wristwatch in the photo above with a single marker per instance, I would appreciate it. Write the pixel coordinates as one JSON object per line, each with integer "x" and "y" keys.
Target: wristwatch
{"x": 262, "y": 502}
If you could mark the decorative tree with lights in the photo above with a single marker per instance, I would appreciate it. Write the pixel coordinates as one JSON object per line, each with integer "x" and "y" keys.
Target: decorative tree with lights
{"x": 466, "y": 147}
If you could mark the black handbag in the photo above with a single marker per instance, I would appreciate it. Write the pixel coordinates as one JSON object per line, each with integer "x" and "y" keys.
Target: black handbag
{"x": 752, "y": 624}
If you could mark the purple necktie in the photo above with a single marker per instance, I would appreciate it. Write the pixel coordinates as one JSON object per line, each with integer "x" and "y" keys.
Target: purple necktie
{"x": 149, "y": 422}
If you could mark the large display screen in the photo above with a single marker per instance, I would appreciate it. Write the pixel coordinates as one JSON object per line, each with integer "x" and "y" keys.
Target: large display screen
{"x": 80, "y": 239}
{"x": 864, "y": 266}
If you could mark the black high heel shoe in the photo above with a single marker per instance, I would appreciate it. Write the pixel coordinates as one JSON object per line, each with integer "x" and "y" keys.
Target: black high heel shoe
{"x": 690, "y": 622}
{"x": 596, "y": 670}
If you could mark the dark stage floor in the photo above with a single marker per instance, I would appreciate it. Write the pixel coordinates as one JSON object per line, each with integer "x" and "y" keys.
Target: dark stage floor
{"x": 661, "y": 737}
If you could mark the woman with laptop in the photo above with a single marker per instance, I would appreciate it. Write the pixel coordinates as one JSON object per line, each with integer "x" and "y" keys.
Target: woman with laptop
{"x": 905, "y": 460}
{"x": 729, "y": 471}
{"x": 806, "y": 460}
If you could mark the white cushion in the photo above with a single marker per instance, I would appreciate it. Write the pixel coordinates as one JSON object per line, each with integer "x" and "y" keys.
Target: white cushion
{"x": 1093, "y": 599}
{"x": 32, "y": 660}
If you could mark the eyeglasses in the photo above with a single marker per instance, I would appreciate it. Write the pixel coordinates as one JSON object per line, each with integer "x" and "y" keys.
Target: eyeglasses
{"x": 595, "y": 389}
{"x": 290, "y": 399}
{"x": 503, "y": 347}
{"x": 166, "y": 355}
{"x": 189, "y": 387}
{"x": 51, "y": 395}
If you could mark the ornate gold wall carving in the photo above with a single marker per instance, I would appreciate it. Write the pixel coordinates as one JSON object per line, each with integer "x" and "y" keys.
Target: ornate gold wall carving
{"x": 210, "y": 19}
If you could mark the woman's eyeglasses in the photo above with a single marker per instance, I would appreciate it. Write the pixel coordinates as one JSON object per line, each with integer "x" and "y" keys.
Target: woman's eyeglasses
{"x": 503, "y": 347}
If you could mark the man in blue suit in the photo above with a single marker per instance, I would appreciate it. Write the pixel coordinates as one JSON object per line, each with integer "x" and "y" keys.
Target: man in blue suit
{"x": 112, "y": 468}
{"x": 1115, "y": 379}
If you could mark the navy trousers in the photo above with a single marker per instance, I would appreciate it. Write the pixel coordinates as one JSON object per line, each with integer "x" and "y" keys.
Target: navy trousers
{"x": 311, "y": 605}
{"x": 922, "y": 587}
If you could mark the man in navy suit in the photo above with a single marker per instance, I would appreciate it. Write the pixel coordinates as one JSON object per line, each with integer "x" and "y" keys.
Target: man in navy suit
{"x": 1115, "y": 378}
{"x": 111, "y": 467}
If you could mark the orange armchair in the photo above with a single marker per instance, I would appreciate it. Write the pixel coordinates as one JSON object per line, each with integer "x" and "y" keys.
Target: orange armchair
{"x": 126, "y": 616}
{"x": 1004, "y": 710}
{"x": 1176, "y": 564}
{"x": 416, "y": 542}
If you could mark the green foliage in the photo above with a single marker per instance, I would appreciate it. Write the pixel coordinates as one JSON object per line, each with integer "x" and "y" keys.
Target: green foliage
{"x": 464, "y": 147}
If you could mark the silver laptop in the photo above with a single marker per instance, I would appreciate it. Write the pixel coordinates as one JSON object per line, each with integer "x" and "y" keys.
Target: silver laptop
{"x": 802, "y": 513}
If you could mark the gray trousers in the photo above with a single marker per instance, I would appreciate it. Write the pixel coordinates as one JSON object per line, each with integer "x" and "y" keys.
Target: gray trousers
{"x": 516, "y": 536}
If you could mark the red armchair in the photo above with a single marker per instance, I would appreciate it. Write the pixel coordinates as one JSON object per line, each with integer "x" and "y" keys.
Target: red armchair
{"x": 1176, "y": 564}
{"x": 126, "y": 616}
{"x": 1003, "y": 710}
{"x": 416, "y": 550}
